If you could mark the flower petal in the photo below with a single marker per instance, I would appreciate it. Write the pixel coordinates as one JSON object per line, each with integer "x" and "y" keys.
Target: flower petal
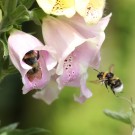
{"x": 49, "y": 93}
{"x": 91, "y": 10}
{"x": 94, "y": 32}
{"x": 75, "y": 68}
{"x": 65, "y": 38}
{"x": 87, "y": 31}
{"x": 50, "y": 60}
{"x": 85, "y": 92}
{"x": 46, "y": 5}
{"x": 58, "y": 7}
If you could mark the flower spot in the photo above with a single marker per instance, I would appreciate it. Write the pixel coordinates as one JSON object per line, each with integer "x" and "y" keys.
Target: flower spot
{"x": 58, "y": 7}
{"x": 71, "y": 69}
{"x": 73, "y": 72}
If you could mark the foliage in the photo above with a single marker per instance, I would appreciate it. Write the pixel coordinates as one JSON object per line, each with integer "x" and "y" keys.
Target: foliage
{"x": 12, "y": 130}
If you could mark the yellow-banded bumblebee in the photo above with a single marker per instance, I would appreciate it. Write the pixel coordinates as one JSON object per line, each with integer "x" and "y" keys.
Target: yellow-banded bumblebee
{"x": 110, "y": 80}
{"x": 31, "y": 58}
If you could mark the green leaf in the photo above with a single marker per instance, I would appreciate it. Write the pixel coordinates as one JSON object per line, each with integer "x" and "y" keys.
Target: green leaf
{"x": 27, "y": 3}
{"x": 8, "y": 128}
{"x": 5, "y": 48}
{"x": 123, "y": 117}
{"x": 12, "y": 130}
{"x": 36, "y": 15}
{"x": 9, "y": 6}
{"x": 1, "y": 5}
{"x": 30, "y": 131}
{"x": 19, "y": 14}
{"x": 8, "y": 28}
{"x": 10, "y": 70}
{"x": 5, "y": 25}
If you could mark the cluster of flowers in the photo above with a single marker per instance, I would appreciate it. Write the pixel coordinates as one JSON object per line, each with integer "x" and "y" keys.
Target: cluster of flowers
{"x": 73, "y": 41}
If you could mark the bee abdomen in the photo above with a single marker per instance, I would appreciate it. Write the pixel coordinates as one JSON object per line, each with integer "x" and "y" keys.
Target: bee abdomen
{"x": 116, "y": 85}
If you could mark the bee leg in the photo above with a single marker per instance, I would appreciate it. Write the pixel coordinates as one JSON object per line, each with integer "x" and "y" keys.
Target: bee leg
{"x": 113, "y": 92}
{"x": 38, "y": 55}
{"x": 106, "y": 85}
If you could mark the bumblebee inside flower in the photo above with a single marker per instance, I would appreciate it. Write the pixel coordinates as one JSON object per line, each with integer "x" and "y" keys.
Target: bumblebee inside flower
{"x": 31, "y": 58}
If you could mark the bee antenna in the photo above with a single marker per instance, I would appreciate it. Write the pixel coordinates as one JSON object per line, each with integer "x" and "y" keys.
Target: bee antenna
{"x": 96, "y": 70}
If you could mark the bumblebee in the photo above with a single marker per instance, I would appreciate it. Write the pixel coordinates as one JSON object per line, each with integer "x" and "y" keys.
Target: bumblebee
{"x": 31, "y": 58}
{"x": 110, "y": 80}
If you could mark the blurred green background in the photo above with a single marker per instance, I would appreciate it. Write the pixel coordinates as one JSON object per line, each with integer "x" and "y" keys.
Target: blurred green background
{"x": 66, "y": 117}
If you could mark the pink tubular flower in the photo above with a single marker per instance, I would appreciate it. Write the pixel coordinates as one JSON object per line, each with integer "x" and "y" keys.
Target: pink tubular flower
{"x": 78, "y": 47}
{"x": 31, "y": 58}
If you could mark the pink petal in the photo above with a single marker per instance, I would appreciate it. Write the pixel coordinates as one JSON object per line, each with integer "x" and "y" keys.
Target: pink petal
{"x": 63, "y": 39}
{"x": 75, "y": 68}
{"x": 84, "y": 29}
{"x": 94, "y": 32}
{"x": 49, "y": 93}
{"x": 85, "y": 92}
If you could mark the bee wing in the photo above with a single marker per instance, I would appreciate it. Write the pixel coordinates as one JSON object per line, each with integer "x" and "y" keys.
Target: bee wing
{"x": 98, "y": 81}
{"x": 95, "y": 81}
{"x": 111, "y": 68}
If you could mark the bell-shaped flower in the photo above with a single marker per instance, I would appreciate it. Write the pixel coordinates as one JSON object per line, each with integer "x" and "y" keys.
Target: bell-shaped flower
{"x": 32, "y": 59}
{"x": 78, "y": 47}
{"x": 90, "y": 10}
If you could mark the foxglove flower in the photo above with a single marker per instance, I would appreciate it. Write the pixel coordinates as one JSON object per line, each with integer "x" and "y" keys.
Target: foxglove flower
{"x": 90, "y": 10}
{"x": 78, "y": 47}
{"x": 31, "y": 58}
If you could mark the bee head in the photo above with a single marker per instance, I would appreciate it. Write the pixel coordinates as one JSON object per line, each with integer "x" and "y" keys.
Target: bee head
{"x": 31, "y": 57}
{"x": 100, "y": 75}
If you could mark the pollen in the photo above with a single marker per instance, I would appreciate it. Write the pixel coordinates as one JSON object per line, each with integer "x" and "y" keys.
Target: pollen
{"x": 94, "y": 11}
{"x": 61, "y": 5}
